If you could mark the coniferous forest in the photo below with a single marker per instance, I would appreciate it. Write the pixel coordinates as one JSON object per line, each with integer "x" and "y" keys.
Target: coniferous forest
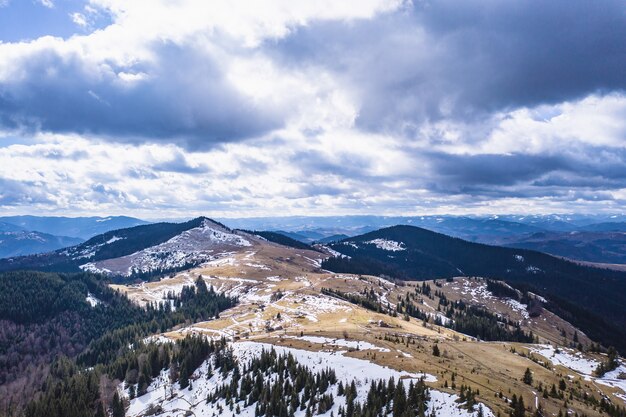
{"x": 590, "y": 298}
{"x": 48, "y": 329}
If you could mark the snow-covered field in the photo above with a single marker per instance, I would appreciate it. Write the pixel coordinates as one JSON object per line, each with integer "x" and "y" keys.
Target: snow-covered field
{"x": 350, "y": 344}
{"x": 346, "y": 369}
{"x": 617, "y": 379}
{"x": 389, "y": 245}
{"x": 568, "y": 358}
{"x": 477, "y": 292}
{"x": 585, "y": 366}
{"x": 518, "y": 307}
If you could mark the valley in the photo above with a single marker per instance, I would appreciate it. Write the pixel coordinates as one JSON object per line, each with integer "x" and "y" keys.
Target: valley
{"x": 282, "y": 303}
{"x": 465, "y": 344}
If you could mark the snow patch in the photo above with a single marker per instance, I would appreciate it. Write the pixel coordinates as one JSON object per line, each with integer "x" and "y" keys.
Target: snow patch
{"x": 350, "y": 344}
{"x": 616, "y": 379}
{"x": 346, "y": 369}
{"x": 114, "y": 239}
{"x": 568, "y": 358}
{"x": 443, "y": 404}
{"x": 389, "y": 245}
{"x": 93, "y": 301}
{"x": 518, "y": 307}
{"x": 533, "y": 269}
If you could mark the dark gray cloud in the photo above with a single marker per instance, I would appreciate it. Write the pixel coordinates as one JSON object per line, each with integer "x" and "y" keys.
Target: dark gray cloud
{"x": 465, "y": 60}
{"x": 459, "y": 171}
{"x": 349, "y": 165}
{"x": 184, "y": 99}
{"x": 577, "y": 175}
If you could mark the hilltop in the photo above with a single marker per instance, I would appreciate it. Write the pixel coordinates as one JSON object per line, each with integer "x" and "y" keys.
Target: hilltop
{"x": 197, "y": 318}
{"x": 591, "y": 297}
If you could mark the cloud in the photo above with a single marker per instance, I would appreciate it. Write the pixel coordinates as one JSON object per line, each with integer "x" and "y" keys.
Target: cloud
{"x": 79, "y": 18}
{"x": 184, "y": 99}
{"x": 255, "y": 108}
{"x": 489, "y": 169}
{"x": 187, "y": 75}
{"x": 464, "y": 61}
{"x": 179, "y": 163}
{"x": 47, "y": 3}
{"x": 14, "y": 193}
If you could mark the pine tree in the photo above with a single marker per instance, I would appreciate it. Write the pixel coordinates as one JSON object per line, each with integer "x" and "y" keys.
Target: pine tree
{"x": 117, "y": 407}
{"x": 519, "y": 410}
{"x": 528, "y": 377}
{"x": 436, "y": 350}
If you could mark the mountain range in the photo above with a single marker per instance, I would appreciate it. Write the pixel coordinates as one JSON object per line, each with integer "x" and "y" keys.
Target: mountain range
{"x": 567, "y": 236}
{"x": 27, "y": 235}
{"x": 77, "y": 227}
{"x": 412, "y": 253}
{"x": 399, "y": 252}
{"x": 196, "y": 318}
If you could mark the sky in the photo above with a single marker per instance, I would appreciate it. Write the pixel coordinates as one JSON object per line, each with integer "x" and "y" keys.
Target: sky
{"x": 161, "y": 108}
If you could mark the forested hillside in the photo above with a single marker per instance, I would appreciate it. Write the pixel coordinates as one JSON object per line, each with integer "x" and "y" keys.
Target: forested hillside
{"x": 47, "y": 316}
{"x": 281, "y": 239}
{"x": 589, "y": 297}
{"x": 108, "y": 245}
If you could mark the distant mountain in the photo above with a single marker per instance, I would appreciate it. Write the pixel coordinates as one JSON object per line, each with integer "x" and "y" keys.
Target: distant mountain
{"x": 408, "y": 252}
{"x": 8, "y": 227}
{"x": 484, "y": 230}
{"x": 291, "y": 235}
{"x": 606, "y": 227}
{"x": 602, "y": 247}
{"x": 548, "y": 222}
{"x": 333, "y": 238}
{"x": 521, "y": 231}
{"x": 305, "y": 236}
{"x": 138, "y": 251}
{"x": 80, "y": 227}
{"x": 18, "y": 243}
{"x": 314, "y": 229}
{"x": 282, "y": 239}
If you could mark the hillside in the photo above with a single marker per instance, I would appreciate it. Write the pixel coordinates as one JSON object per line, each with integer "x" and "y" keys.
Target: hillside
{"x": 19, "y": 243}
{"x": 407, "y": 252}
{"x": 146, "y": 249}
{"x": 281, "y": 239}
{"x": 260, "y": 328}
{"x": 365, "y": 327}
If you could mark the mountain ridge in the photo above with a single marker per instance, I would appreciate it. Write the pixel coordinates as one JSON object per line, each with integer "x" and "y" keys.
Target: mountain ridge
{"x": 409, "y": 252}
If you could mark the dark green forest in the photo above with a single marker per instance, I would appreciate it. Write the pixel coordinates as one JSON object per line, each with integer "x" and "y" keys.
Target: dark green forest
{"x": 281, "y": 239}
{"x": 590, "y": 298}
{"x": 44, "y": 316}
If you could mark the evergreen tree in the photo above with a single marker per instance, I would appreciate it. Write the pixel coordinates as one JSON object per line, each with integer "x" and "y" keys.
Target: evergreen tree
{"x": 528, "y": 377}
{"x": 436, "y": 350}
{"x": 117, "y": 406}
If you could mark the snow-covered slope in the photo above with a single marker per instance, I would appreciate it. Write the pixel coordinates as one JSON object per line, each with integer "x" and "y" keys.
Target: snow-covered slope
{"x": 192, "y": 401}
{"x": 191, "y": 247}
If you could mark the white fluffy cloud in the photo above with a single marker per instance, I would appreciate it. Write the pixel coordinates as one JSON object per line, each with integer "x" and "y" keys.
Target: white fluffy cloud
{"x": 298, "y": 107}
